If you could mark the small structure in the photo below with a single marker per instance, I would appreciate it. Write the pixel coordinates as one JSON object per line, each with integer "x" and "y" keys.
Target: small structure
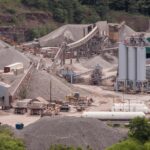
{"x": 37, "y": 106}
{"x": 21, "y": 106}
{"x": 13, "y": 67}
{"x": 5, "y": 97}
{"x": 130, "y": 107}
{"x": 96, "y": 75}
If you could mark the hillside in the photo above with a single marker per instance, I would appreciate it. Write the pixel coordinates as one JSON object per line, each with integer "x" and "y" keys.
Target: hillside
{"x": 34, "y": 18}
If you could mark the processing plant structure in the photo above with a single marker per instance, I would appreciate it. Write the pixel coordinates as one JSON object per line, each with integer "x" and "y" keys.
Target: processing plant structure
{"x": 132, "y": 64}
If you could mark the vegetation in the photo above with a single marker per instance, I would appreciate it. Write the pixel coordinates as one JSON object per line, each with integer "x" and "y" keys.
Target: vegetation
{"x": 139, "y": 129}
{"x": 138, "y": 136}
{"x": 8, "y": 141}
{"x": 64, "y": 147}
{"x": 69, "y": 11}
{"x": 66, "y": 10}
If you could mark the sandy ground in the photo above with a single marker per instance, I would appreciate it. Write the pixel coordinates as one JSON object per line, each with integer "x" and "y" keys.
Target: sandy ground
{"x": 11, "y": 119}
{"x": 103, "y": 101}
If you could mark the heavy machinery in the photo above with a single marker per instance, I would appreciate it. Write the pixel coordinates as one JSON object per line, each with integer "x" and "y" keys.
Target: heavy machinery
{"x": 64, "y": 107}
{"x": 53, "y": 109}
{"x": 47, "y": 112}
{"x": 80, "y": 102}
{"x": 96, "y": 75}
{"x": 73, "y": 98}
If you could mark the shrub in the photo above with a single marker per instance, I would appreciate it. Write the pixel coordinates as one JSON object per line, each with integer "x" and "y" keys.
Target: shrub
{"x": 139, "y": 128}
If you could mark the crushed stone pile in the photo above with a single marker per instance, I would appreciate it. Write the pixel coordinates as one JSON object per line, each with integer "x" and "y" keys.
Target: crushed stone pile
{"x": 69, "y": 32}
{"x": 9, "y": 55}
{"x": 40, "y": 86}
{"x": 96, "y": 60}
{"x": 70, "y": 131}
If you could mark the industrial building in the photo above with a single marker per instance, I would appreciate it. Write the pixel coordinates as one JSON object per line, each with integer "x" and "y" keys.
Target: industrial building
{"x": 132, "y": 64}
{"x": 5, "y": 97}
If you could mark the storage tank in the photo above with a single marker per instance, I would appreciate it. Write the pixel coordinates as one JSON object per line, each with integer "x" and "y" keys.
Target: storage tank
{"x": 130, "y": 107}
{"x": 131, "y": 63}
{"x": 113, "y": 115}
{"x": 122, "y": 62}
{"x": 141, "y": 64}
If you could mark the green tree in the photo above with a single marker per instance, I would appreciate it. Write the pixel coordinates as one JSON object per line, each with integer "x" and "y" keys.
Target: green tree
{"x": 127, "y": 145}
{"x": 139, "y": 128}
{"x": 78, "y": 15}
{"x": 59, "y": 15}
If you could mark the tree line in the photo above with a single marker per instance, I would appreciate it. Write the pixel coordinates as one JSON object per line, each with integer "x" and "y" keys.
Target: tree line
{"x": 88, "y": 11}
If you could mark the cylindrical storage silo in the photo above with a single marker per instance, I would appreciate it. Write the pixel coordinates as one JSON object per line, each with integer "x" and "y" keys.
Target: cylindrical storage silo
{"x": 132, "y": 63}
{"x": 141, "y": 64}
{"x": 122, "y": 62}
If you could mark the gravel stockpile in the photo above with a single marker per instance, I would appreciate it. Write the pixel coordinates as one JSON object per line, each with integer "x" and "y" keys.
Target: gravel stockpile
{"x": 96, "y": 60}
{"x": 40, "y": 86}
{"x": 9, "y": 55}
{"x": 69, "y": 32}
{"x": 70, "y": 131}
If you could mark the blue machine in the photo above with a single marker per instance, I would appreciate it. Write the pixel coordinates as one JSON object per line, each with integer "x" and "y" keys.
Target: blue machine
{"x": 19, "y": 126}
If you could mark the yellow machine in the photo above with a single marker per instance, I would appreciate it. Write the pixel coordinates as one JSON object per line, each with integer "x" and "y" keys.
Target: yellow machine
{"x": 74, "y": 97}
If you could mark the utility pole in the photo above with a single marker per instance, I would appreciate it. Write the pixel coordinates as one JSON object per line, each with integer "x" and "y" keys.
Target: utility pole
{"x": 50, "y": 93}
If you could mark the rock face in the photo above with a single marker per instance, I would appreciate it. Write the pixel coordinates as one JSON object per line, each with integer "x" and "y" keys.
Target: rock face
{"x": 74, "y": 131}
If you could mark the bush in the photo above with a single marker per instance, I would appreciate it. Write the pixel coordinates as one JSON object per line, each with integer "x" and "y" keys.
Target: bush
{"x": 8, "y": 141}
{"x": 127, "y": 145}
{"x": 147, "y": 146}
{"x": 63, "y": 147}
{"x": 139, "y": 128}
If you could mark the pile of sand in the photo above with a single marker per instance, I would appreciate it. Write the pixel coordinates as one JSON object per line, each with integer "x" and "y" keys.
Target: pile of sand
{"x": 96, "y": 60}
{"x": 70, "y": 131}
{"x": 69, "y": 32}
{"x": 9, "y": 55}
{"x": 40, "y": 86}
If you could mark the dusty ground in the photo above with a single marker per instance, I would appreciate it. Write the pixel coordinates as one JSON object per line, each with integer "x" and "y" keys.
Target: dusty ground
{"x": 11, "y": 119}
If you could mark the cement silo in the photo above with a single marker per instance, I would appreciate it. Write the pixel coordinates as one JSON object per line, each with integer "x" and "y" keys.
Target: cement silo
{"x": 122, "y": 62}
{"x": 132, "y": 63}
{"x": 141, "y": 64}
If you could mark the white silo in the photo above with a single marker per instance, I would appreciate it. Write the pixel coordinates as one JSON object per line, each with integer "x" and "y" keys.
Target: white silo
{"x": 122, "y": 62}
{"x": 131, "y": 63}
{"x": 141, "y": 64}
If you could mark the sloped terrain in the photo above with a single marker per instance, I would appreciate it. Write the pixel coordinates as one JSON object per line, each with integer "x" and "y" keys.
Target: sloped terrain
{"x": 70, "y": 131}
{"x": 9, "y": 55}
{"x": 40, "y": 86}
